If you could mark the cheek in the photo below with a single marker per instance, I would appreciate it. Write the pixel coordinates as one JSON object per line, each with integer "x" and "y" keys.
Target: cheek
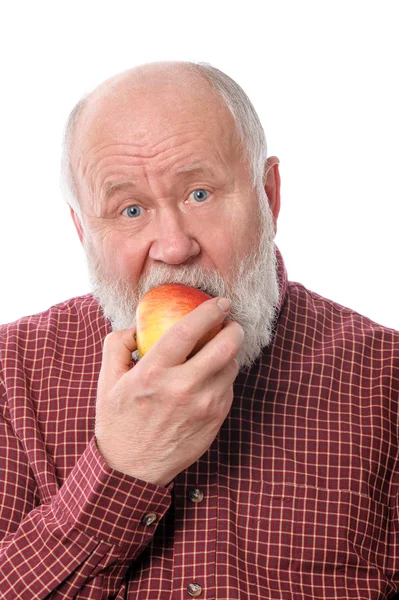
{"x": 221, "y": 251}
{"x": 128, "y": 262}
{"x": 120, "y": 256}
{"x": 233, "y": 240}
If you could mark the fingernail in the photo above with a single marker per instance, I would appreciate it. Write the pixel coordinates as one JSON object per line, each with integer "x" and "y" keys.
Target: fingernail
{"x": 224, "y": 304}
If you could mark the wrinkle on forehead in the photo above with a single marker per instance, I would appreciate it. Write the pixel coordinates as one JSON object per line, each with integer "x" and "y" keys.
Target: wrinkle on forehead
{"x": 163, "y": 152}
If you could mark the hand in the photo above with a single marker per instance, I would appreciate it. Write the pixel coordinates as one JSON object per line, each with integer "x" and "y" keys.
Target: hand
{"x": 157, "y": 418}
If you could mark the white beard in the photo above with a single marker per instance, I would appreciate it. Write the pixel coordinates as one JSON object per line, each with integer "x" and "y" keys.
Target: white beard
{"x": 252, "y": 288}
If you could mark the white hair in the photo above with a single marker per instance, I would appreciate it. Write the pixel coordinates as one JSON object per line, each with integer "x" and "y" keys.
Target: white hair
{"x": 68, "y": 185}
{"x": 250, "y": 132}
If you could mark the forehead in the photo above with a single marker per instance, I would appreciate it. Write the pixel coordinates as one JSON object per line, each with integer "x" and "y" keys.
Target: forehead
{"x": 154, "y": 122}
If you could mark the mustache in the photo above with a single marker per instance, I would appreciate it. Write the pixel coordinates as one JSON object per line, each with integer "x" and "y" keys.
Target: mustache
{"x": 209, "y": 281}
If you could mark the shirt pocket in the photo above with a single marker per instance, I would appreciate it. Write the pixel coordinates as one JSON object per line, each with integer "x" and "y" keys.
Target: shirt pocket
{"x": 299, "y": 538}
{"x": 313, "y": 526}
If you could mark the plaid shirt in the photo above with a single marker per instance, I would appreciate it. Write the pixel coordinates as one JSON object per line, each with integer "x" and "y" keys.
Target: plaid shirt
{"x": 296, "y": 498}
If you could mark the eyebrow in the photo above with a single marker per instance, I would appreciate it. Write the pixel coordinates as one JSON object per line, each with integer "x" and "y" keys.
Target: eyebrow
{"x": 195, "y": 169}
{"x": 112, "y": 187}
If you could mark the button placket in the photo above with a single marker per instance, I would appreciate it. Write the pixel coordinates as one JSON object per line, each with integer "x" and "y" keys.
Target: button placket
{"x": 196, "y": 495}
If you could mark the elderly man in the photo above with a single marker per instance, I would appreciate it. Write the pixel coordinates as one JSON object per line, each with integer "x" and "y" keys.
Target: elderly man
{"x": 264, "y": 466}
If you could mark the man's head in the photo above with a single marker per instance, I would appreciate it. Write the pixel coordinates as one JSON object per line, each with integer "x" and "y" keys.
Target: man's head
{"x": 170, "y": 183}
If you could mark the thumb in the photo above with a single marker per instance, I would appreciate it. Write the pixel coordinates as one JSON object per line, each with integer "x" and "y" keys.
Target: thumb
{"x": 117, "y": 353}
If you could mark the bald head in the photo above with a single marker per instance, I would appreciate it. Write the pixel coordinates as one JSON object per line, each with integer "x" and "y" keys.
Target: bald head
{"x": 162, "y": 84}
{"x": 178, "y": 77}
{"x": 157, "y": 93}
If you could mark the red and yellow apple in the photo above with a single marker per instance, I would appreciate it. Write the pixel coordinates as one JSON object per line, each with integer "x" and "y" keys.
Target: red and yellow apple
{"x": 162, "y": 307}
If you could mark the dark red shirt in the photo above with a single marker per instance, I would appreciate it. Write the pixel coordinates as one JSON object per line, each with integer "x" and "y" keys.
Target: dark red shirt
{"x": 296, "y": 498}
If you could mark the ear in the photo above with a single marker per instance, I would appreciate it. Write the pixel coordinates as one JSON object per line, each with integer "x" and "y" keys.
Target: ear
{"x": 272, "y": 186}
{"x": 78, "y": 225}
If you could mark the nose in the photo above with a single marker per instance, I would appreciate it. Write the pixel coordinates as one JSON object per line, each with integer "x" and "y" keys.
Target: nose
{"x": 172, "y": 244}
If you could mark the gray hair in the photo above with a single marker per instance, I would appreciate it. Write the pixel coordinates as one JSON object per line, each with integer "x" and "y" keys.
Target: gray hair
{"x": 249, "y": 129}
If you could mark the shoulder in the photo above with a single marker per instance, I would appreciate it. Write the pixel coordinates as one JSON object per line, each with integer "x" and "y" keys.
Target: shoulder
{"x": 74, "y": 310}
{"x": 66, "y": 323}
{"x": 330, "y": 322}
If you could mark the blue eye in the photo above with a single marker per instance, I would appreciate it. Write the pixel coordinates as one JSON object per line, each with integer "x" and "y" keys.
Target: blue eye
{"x": 200, "y": 195}
{"x": 132, "y": 211}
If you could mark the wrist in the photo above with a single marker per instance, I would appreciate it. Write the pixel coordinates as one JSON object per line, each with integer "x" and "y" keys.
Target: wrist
{"x": 134, "y": 468}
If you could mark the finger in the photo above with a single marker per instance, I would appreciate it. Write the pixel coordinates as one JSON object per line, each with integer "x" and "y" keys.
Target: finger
{"x": 220, "y": 389}
{"x": 223, "y": 381}
{"x": 117, "y": 352}
{"x": 218, "y": 352}
{"x": 178, "y": 342}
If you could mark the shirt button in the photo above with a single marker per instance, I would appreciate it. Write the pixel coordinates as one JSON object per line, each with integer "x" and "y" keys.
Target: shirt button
{"x": 194, "y": 589}
{"x": 196, "y": 495}
{"x": 149, "y": 518}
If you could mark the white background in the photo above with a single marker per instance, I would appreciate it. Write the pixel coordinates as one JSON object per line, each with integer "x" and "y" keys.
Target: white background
{"x": 323, "y": 76}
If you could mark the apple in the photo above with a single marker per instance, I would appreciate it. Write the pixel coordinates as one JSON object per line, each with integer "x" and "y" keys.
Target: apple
{"x": 162, "y": 307}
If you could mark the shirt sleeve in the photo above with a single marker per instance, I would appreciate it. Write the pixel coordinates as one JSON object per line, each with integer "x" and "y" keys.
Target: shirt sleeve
{"x": 81, "y": 543}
